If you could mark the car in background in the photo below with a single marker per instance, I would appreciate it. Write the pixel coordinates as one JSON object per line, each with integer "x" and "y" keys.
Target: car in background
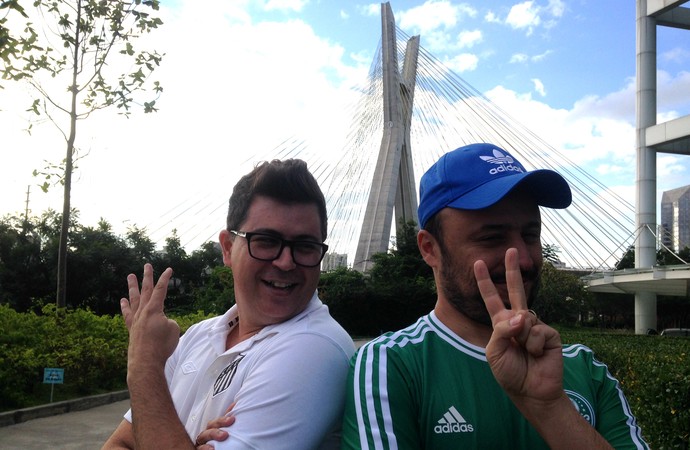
{"x": 675, "y": 332}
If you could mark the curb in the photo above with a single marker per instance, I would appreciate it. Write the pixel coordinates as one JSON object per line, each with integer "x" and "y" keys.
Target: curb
{"x": 78, "y": 404}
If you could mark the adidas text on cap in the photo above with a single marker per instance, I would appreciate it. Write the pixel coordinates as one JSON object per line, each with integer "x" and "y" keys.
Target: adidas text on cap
{"x": 479, "y": 175}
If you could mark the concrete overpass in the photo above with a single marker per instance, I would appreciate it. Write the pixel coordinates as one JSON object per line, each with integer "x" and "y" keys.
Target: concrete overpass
{"x": 662, "y": 280}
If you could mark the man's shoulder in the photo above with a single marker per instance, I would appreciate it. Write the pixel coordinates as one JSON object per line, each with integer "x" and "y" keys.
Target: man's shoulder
{"x": 577, "y": 353}
{"x": 314, "y": 327}
{"x": 406, "y": 340}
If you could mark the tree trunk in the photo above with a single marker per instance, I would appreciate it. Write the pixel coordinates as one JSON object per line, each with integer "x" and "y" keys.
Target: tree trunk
{"x": 61, "y": 293}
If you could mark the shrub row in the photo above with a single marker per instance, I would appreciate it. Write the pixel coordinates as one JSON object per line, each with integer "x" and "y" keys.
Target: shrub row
{"x": 654, "y": 371}
{"x": 91, "y": 349}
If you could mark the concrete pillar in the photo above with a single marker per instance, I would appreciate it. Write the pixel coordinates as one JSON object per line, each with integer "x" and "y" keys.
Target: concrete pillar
{"x": 393, "y": 181}
{"x": 645, "y": 185}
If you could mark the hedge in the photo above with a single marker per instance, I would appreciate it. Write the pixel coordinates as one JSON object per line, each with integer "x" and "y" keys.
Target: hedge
{"x": 654, "y": 371}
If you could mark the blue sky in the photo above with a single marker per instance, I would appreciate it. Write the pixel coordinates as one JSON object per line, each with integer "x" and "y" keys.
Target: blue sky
{"x": 241, "y": 76}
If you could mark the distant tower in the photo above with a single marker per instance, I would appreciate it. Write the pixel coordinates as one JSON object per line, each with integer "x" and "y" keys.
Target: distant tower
{"x": 393, "y": 183}
{"x": 675, "y": 218}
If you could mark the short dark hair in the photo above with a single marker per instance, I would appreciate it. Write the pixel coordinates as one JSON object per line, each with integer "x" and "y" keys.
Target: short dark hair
{"x": 287, "y": 181}
{"x": 435, "y": 228}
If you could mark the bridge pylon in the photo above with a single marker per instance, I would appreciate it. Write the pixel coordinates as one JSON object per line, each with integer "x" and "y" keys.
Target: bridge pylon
{"x": 393, "y": 184}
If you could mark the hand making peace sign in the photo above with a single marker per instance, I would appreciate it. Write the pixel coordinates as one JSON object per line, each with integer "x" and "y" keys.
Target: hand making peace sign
{"x": 524, "y": 353}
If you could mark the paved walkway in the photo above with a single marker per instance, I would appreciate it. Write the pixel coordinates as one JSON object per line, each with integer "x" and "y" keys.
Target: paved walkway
{"x": 78, "y": 430}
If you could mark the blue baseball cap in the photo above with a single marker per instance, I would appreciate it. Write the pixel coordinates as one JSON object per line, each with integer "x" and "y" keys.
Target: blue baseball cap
{"x": 479, "y": 175}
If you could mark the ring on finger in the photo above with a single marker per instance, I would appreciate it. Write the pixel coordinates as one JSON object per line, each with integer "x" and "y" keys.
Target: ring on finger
{"x": 531, "y": 311}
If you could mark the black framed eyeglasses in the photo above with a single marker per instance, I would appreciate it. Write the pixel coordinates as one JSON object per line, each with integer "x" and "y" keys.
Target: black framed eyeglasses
{"x": 267, "y": 247}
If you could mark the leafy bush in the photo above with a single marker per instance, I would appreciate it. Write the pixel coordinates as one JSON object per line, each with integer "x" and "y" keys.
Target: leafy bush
{"x": 91, "y": 349}
{"x": 654, "y": 372}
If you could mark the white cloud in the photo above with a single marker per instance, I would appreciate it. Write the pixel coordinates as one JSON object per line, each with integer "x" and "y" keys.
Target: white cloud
{"x": 491, "y": 17}
{"x": 528, "y": 15}
{"x": 524, "y": 16}
{"x": 540, "y": 57}
{"x": 285, "y": 5}
{"x": 223, "y": 105}
{"x": 556, "y": 8}
{"x": 255, "y": 84}
{"x": 464, "y": 62}
{"x": 467, "y": 39}
{"x": 432, "y": 15}
{"x": 668, "y": 164}
{"x": 674, "y": 92}
{"x": 519, "y": 58}
{"x": 591, "y": 141}
{"x": 539, "y": 87}
{"x": 372, "y": 9}
{"x": 677, "y": 55}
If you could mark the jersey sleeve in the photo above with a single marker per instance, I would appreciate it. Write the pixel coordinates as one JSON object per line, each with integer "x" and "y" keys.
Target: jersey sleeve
{"x": 294, "y": 395}
{"x": 379, "y": 405}
{"x": 614, "y": 418}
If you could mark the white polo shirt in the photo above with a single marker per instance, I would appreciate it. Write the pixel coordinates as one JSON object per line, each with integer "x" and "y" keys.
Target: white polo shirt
{"x": 288, "y": 380}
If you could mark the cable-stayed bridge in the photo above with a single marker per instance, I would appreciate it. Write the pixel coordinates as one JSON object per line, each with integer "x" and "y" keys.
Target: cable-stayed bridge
{"x": 440, "y": 112}
{"x": 448, "y": 112}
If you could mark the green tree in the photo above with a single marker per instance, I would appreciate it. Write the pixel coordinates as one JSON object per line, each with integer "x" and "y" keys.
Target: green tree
{"x": 100, "y": 263}
{"x": 562, "y": 297}
{"x": 92, "y": 37}
{"x": 217, "y": 293}
{"x": 179, "y": 298}
{"x": 664, "y": 257}
{"x": 141, "y": 246}
{"x": 401, "y": 282}
{"x": 10, "y": 45}
{"x": 550, "y": 253}
{"x": 22, "y": 274}
{"x": 346, "y": 293}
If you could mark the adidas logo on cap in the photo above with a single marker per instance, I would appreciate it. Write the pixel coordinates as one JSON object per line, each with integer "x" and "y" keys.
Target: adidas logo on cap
{"x": 453, "y": 422}
{"x": 504, "y": 163}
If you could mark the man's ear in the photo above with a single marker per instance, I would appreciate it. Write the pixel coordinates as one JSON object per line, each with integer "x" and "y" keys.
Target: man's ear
{"x": 428, "y": 247}
{"x": 226, "y": 241}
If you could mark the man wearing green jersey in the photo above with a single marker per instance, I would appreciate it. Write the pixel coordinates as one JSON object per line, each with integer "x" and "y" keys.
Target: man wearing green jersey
{"x": 481, "y": 370}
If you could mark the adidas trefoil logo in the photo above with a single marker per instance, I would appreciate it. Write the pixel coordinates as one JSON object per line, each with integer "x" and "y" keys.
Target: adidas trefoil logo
{"x": 453, "y": 422}
{"x": 504, "y": 163}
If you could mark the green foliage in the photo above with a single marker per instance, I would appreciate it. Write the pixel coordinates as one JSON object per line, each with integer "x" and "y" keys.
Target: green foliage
{"x": 216, "y": 294}
{"x": 401, "y": 282}
{"x": 562, "y": 297}
{"x": 92, "y": 350}
{"x": 99, "y": 264}
{"x": 654, "y": 372}
{"x": 78, "y": 42}
{"x": 663, "y": 258}
{"x": 78, "y": 50}
{"x": 347, "y": 296}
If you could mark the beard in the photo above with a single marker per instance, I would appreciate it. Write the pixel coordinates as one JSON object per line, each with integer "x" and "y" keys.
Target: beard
{"x": 459, "y": 286}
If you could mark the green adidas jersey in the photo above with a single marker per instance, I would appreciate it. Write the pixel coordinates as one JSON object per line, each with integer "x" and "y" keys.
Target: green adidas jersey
{"x": 423, "y": 387}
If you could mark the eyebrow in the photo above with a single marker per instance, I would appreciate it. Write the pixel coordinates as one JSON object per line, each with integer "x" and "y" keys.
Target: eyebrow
{"x": 535, "y": 224}
{"x": 272, "y": 232}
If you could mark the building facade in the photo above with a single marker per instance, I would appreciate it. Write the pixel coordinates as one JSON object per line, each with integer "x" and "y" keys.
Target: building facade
{"x": 675, "y": 218}
{"x": 333, "y": 260}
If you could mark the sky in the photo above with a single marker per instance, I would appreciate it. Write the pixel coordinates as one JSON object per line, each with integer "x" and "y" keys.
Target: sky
{"x": 240, "y": 77}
